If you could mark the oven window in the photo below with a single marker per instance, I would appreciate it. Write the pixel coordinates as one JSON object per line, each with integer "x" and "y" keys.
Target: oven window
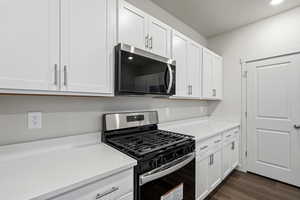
{"x": 142, "y": 75}
{"x": 161, "y": 187}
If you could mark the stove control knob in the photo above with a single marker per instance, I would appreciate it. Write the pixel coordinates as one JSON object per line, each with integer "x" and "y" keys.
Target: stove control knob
{"x": 153, "y": 163}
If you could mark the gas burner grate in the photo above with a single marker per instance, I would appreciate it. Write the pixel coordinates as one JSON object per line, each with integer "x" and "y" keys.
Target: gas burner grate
{"x": 146, "y": 142}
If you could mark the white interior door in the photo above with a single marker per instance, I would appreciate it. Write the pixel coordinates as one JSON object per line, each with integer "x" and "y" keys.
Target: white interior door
{"x": 273, "y": 105}
{"x": 85, "y": 46}
{"x": 29, "y": 44}
{"x": 132, "y": 25}
{"x": 160, "y": 37}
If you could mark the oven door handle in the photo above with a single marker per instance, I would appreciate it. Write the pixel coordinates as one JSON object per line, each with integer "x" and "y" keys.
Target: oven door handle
{"x": 166, "y": 169}
{"x": 171, "y": 79}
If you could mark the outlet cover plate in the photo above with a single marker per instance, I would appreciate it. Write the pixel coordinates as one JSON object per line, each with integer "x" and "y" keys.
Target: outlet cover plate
{"x": 34, "y": 120}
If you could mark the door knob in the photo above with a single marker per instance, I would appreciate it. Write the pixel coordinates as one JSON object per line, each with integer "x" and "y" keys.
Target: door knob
{"x": 297, "y": 126}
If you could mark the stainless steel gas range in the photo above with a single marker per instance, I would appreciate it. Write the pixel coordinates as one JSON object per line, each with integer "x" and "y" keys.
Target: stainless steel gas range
{"x": 166, "y": 160}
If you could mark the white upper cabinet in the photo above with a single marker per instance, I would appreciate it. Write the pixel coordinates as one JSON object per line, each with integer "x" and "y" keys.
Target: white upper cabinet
{"x": 57, "y": 46}
{"x": 133, "y": 26}
{"x": 159, "y": 37}
{"x": 212, "y": 76}
{"x": 218, "y": 77}
{"x": 188, "y": 56}
{"x": 29, "y": 44}
{"x": 180, "y": 54}
{"x": 85, "y": 48}
{"x": 143, "y": 31}
{"x": 194, "y": 67}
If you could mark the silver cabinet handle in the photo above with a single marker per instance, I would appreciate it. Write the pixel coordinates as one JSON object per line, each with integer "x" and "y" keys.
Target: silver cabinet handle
{"x": 205, "y": 147}
{"x": 214, "y": 92}
{"x": 297, "y": 126}
{"x": 147, "y": 41}
{"x": 151, "y": 42}
{"x": 217, "y": 141}
{"x": 112, "y": 190}
{"x": 56, "y": 74}
{"x": 233, "y": 145}
{"x": 211, "y": 159}
{"x": 65, "y": 75}
{"x": 190, "y": 89}
{"x": 166, "y": 169}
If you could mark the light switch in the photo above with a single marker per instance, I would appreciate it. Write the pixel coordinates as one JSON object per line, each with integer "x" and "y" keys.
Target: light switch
{"x": 34, "y": 120}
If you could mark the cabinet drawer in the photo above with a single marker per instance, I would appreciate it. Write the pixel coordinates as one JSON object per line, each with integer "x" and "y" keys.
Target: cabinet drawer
{"x": 111, "y": 188}
{"x": 209, "y": 146}
{"x": 231, "y": 133}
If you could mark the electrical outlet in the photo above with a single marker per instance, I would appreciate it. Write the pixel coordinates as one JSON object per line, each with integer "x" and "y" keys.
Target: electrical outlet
{"x": 34, "y": 120}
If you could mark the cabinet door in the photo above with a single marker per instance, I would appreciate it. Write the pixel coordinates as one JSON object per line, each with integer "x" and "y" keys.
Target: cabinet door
{"x": 217, "y": 87}
{"x": 159, "y": 37}
{"x": 179, "y": 52}
{"x": 29, "y": 44}
{"x": 235, "y": 153}
{"x": 202, "y": 178}
{"x": 194, "y": 69}
{"x": 111, "y": 188}
{"x": 227, "y": 159}
{"x": 132, "y": 26}
{"x": 215, "y": 171}
{"x": 207, "y": 74}
{"x": 85, "y": 46}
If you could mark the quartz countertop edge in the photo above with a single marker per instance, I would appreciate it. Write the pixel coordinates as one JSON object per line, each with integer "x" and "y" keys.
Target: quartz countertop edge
{"x": 51, "y": 174}
{"x": 200, "y": 128}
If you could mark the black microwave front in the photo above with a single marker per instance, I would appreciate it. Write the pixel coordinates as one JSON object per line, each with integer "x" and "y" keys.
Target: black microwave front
{"x": 138, "y": 72}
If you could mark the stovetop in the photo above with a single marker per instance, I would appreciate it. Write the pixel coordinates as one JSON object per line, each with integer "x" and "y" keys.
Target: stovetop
{"x": 139, "y": 144}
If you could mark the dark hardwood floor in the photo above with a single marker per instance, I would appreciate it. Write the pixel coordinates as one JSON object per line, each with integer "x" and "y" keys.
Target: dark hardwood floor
{"x": 245, "y": 186}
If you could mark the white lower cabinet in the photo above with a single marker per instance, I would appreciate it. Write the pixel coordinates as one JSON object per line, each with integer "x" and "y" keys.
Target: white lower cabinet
{"x": 227, "y": 157}
{"x": 216, "y": 158}
{"x": 230, "y": 152}
{"x": 116, "y": 187}
{"x": 202, "y": 177}
{"x": 215, "y": 170}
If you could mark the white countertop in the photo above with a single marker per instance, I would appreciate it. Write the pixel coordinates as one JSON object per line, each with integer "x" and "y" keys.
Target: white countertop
{"x": 46, "y": 174}
{"x": 200, "y": 128}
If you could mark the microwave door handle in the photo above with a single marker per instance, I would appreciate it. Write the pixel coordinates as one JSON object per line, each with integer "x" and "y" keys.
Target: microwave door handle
{"x": 166, "y": 79}
{"x": 171, "y": 79}
{"x": 166, "y": 169}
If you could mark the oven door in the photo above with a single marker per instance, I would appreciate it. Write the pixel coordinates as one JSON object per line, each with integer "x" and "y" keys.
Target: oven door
{"x": 175, "y": 180}
{"x": 141, "y": 73}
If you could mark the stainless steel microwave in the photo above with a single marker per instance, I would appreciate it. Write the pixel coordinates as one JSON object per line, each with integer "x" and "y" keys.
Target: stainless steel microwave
{"x": 138, "y": 72}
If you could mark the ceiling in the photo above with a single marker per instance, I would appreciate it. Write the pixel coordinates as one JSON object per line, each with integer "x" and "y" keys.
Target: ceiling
{"x": 213, "y": 17}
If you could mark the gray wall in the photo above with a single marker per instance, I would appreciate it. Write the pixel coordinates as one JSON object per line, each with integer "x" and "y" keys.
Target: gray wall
{"x": 63, "y": 116}
{"x": 159, "y": 13}
{"x": 270, "y": 37}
